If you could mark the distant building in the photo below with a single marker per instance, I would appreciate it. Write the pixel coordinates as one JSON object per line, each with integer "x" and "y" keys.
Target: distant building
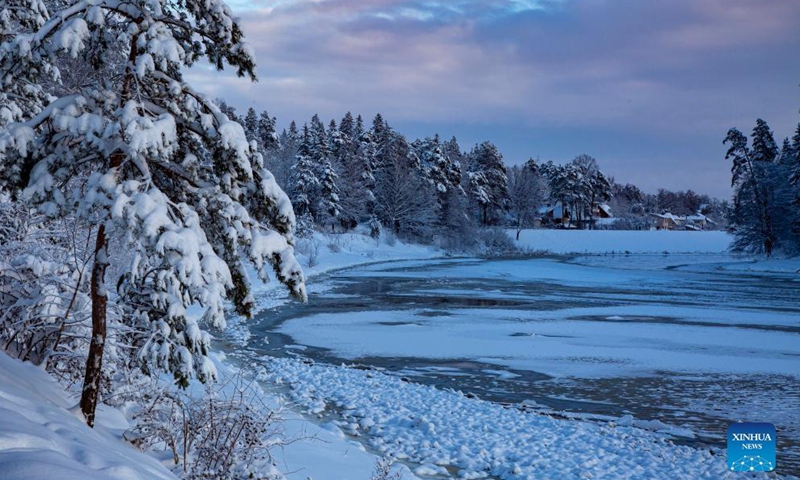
{"x": 668, "y": 221}
{"x": 700, "y": 222}
{"x": 555, "y": 214}
{"x": 602, "y": 211}
{"x": 560, "y": 216}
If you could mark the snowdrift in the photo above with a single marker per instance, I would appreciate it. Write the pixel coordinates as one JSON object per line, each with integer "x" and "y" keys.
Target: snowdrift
{"x": 42, "y": 439}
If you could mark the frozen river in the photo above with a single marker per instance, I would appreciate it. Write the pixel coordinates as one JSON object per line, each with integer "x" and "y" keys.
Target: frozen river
{"x": 683, "y": 344}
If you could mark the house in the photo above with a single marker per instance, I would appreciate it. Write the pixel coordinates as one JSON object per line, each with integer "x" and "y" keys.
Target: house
{"x": 668, "y": 221}
{"x": 700, "y": 221}
{"x": 555, "y": 214}
{"x": 602, "y": 210}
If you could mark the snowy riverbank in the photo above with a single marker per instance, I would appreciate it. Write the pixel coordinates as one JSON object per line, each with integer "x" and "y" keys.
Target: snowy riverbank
{"x": 321, "y": 451}
{"x": 43, "y": 436}
{"x": 439, "y": 431}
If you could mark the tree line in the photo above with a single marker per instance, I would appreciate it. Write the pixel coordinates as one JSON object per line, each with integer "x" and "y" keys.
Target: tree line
{"x": 352, "y": 173}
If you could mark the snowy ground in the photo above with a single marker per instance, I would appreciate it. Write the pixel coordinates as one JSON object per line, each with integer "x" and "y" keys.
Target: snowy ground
{"x": 313, "y": 450}
{"x": 619, "y": 241}
{"x": 43, "y": 435}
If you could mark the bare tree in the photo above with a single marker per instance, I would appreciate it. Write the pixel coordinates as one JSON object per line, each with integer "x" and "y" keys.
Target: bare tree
{"x": 527, "y": 191}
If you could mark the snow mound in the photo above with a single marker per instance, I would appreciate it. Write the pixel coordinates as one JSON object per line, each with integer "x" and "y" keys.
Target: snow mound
{"x": 622, "y": 241}
{"x": 42, "y": 439}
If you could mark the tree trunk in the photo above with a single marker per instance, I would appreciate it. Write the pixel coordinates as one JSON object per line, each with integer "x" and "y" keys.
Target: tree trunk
{"x": 94, "y": 364}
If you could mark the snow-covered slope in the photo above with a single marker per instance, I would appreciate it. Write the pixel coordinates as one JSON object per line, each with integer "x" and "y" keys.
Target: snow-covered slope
{"x": 43, "y": 437}
{"x": 622, "y": 241}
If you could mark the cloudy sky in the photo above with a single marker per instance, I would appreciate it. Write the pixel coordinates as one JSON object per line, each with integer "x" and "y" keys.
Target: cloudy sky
{"x": 648, "y": 87}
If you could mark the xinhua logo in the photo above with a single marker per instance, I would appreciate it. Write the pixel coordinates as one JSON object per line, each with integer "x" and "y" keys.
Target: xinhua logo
{"x": 751, "y": 447}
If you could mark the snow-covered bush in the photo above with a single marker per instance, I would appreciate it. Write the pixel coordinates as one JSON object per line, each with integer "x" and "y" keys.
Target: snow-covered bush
{"x": 334, "y": 242}
{"x": 374, "y": 228}
{"x": 495, "y": 242}
{"x": 226, "y": 434}
{"x": 43, "y": 287}
{"x": 309, "y": 246}
{"x": 389, "y": 238}
{"x": 383, "y": 470}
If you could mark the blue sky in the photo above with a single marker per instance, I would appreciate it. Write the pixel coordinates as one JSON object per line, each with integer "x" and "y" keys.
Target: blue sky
{"x": 648, "y": 87}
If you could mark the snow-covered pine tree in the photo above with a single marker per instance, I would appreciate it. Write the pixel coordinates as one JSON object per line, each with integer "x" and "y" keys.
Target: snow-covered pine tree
{"x": 347, "y": 128}
{"x": 318, "y": 140}
{"x": 564, "y": 182}
{"x": 251, "y": 124}
{"x": 325, "y": 199}
{"x": 593, "y": 188}
{"x": 228, "y": 110}
{"x": 343, "y": 148}
{"x": 365, "y": 162}
{"x": 444, "y": 174}
{"x": 152, "y": 162}
{"x": 752, "y": 216}
{"x": 267, "y": 136}
{"x": 21, "y": 100}
{"x": 280, "y": 160}
{"x": 488, "y": 182}
{"x": 332, "y": 130}
{"x": 305, "y": 185}
{"x": 329, "y": 193}
{"x": 358, "y": 130}
{"x": 404, "y": 200}
{"x": 792, "y": 161}
{"x": 794, "y": 158}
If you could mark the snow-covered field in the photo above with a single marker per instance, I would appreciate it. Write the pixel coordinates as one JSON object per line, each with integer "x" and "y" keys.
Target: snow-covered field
{"x": 620, "y": 241}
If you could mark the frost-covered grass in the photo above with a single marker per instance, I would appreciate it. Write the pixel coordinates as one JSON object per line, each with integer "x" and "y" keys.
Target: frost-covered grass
{"x": 622, "y": 241}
